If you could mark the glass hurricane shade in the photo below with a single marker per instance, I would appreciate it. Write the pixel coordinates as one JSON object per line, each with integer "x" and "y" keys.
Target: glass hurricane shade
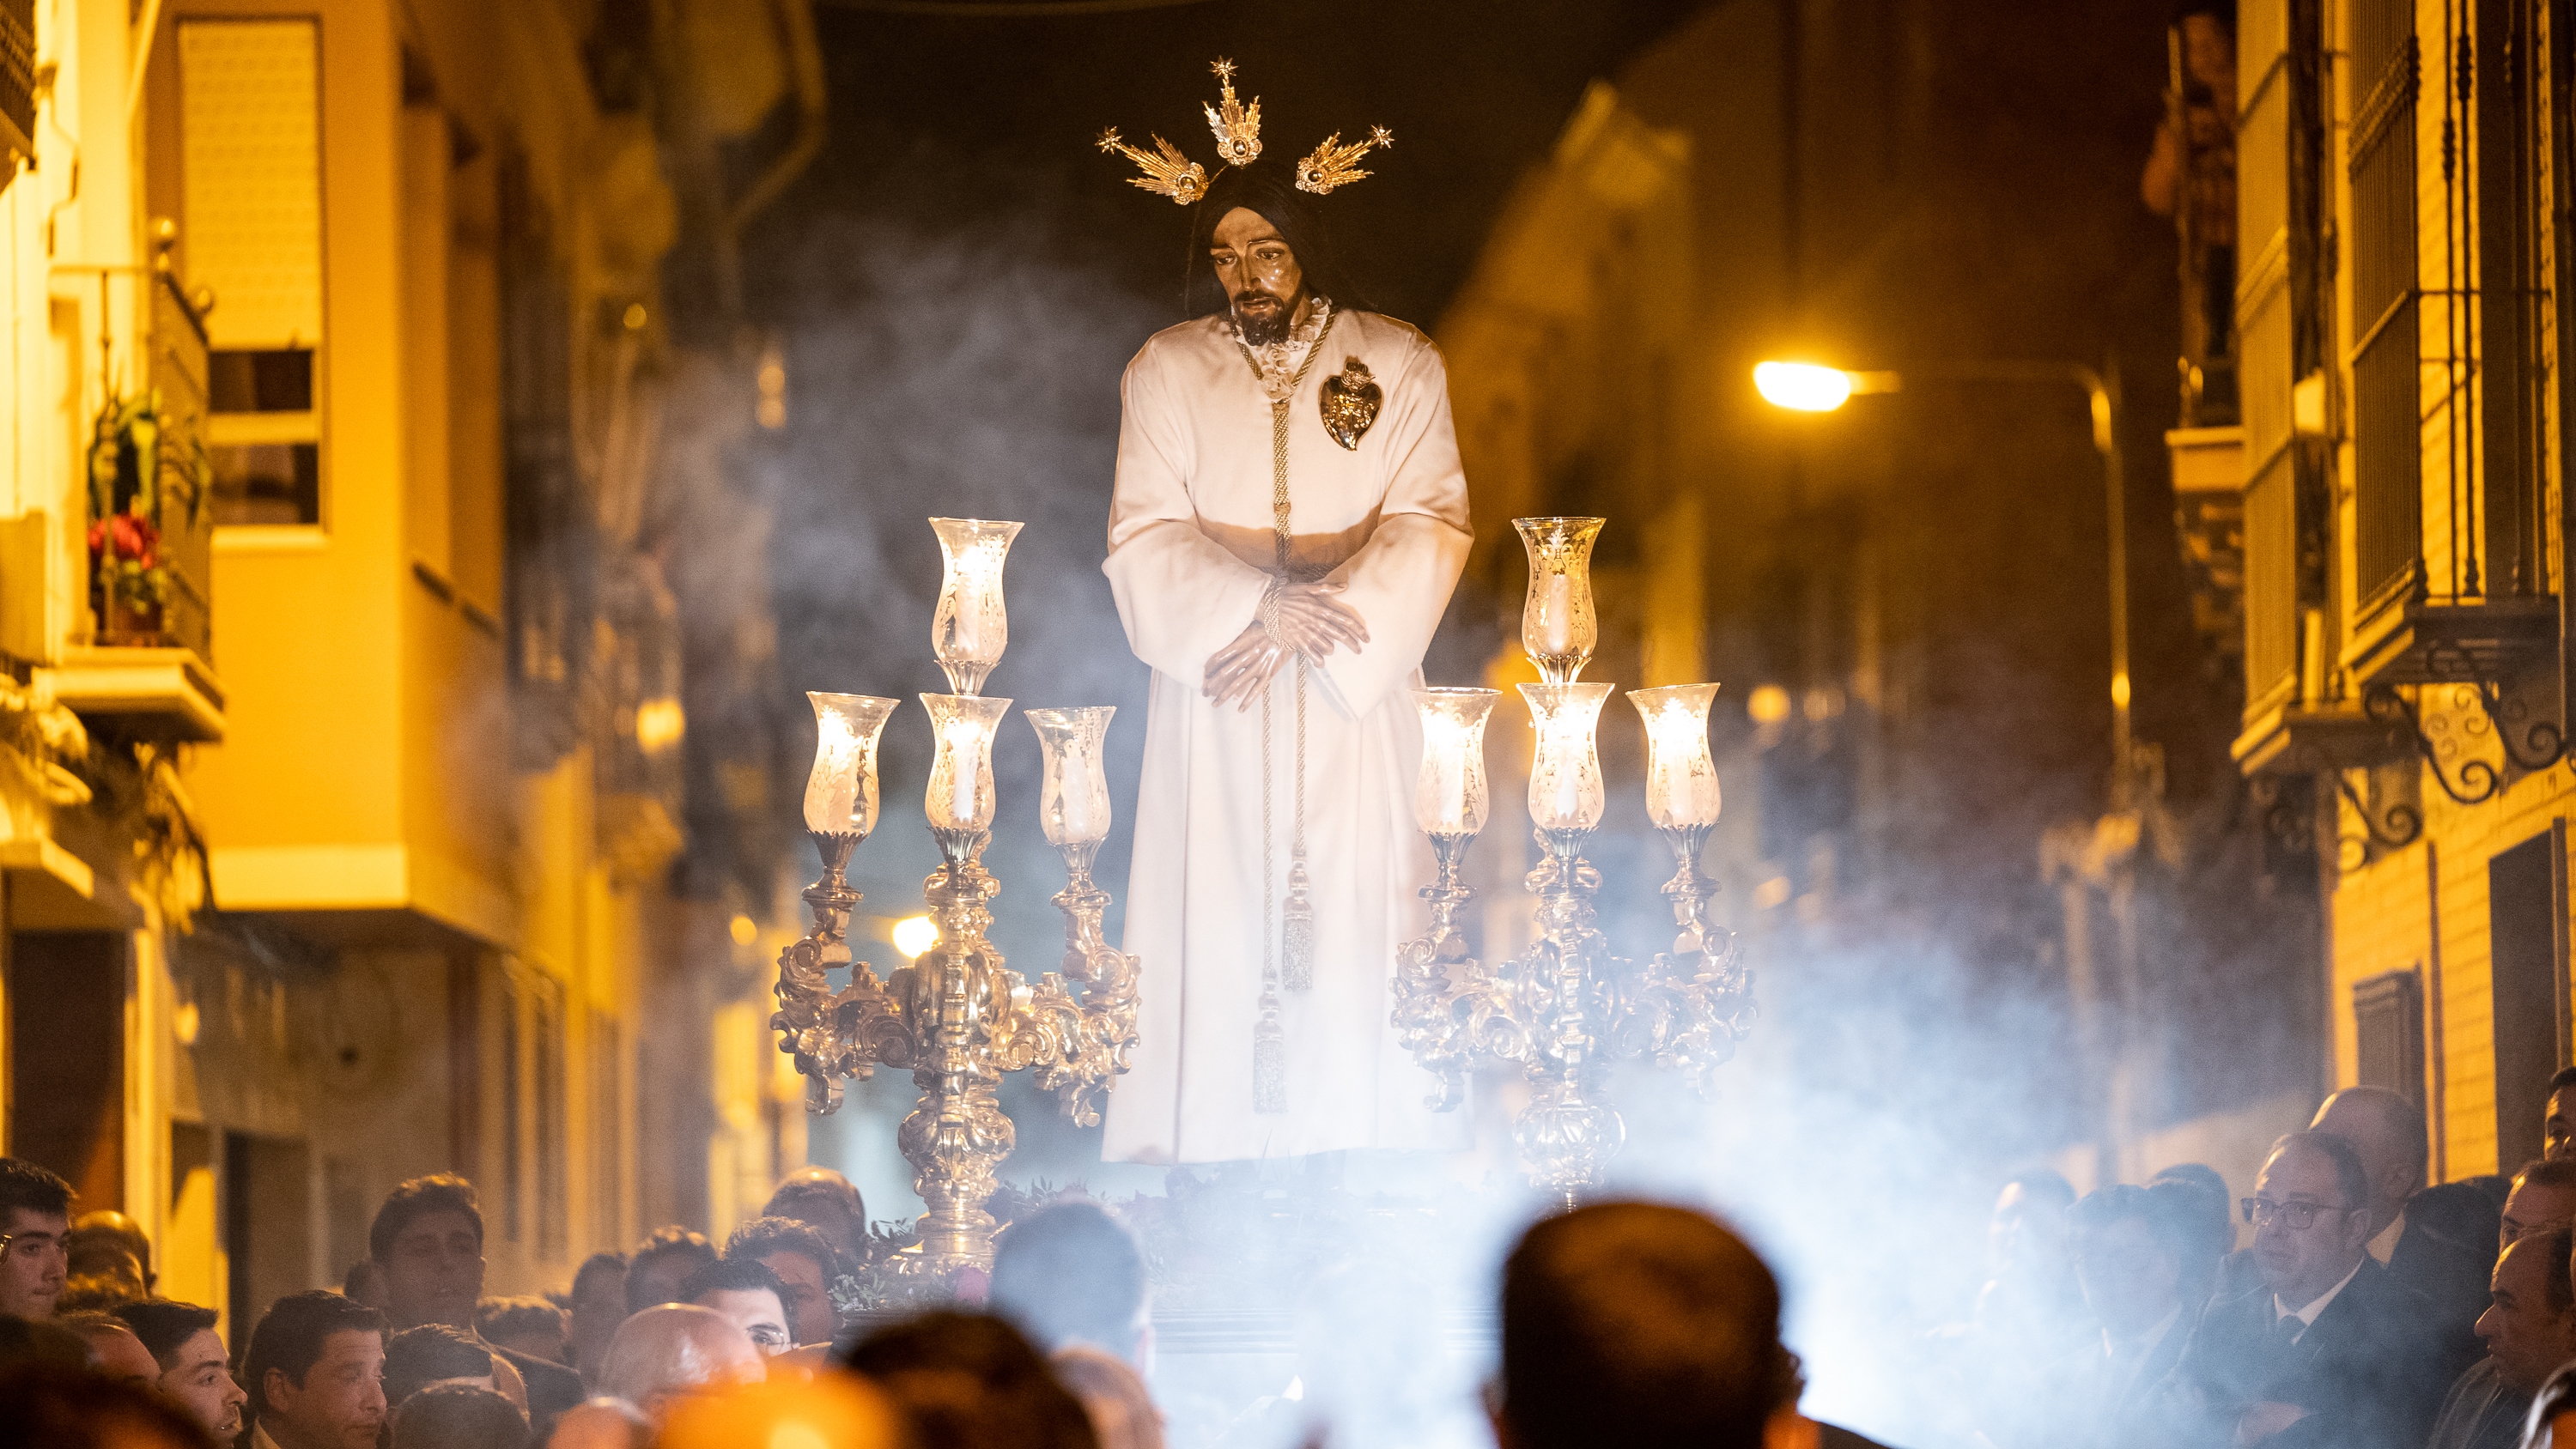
{"x": 1565, "y": 792}
{"x": 1558, "y": 626}
{"x": 841, "y": 794}
{"x": 1073, "y": 800}
{"x": 960, "y": 797}
{"x": 1450, "y": 797}
{"x": 1681, "y": 779}
{"x": 970, "y": 628}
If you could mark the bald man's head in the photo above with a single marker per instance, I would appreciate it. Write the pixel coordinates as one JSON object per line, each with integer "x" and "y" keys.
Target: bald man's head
{"x": 2387, "y": 1129}
{"x": 665, "y": 1354}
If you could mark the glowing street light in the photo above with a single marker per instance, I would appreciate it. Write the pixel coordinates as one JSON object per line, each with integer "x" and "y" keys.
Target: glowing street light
{"x": 1809, "y": 387}
{"x": 915, "y": 934}
{"x": 1802, "y": 386}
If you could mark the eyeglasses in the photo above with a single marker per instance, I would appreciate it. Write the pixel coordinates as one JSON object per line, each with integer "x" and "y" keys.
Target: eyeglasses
{"x": 2296, "y": 1216}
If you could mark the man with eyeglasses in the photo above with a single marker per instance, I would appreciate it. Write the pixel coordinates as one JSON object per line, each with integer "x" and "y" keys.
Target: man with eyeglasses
{"x": 35, "y": 1237}
{"x": 2330, "y": 1351}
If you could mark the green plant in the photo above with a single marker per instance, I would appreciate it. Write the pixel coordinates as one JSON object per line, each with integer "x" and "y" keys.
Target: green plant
{"x": 144, "y": 474}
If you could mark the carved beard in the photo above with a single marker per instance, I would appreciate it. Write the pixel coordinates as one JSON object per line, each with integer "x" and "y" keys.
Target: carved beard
{"x": 1264, "y": 324}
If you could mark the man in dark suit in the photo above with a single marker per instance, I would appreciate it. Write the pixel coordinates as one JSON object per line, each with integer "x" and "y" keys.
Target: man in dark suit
{"x": 2438, "y": 1240}
{"x": 428, "y": 1239}
{"x": 2140, "y": 1258}
{"x": 2331, "y": 1352}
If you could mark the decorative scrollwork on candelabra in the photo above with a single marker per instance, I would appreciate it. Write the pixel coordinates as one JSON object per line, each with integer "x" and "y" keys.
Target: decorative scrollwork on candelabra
{"x": 1567, "y": 1008}
{"x": 958, "y": 1018}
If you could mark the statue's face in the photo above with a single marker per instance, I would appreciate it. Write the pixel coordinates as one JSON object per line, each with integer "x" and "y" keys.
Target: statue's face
{"x": 1260, "y": 274}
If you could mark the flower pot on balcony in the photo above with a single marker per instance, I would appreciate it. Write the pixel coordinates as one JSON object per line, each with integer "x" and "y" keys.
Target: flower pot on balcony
{"x": 131, "y": 625}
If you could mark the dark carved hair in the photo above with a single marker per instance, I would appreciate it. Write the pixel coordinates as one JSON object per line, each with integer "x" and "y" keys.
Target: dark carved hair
{"x": 165, "y": 1326}
{"x": 292, "y": 1334}
{"x": 970, "y": 1381}
{"x": 1644, "y": 1326}
{"x": 440, "y": 1192}
{"x": 763, "y": 1236}
{"x": 458, "y": 1416}
{"x": 1071, "y": 1273}
{"x": 2351, "y": 1178}
{"x": 1270, "y": 188}
{"x": 36, "y": 1189}
{"x": 418, "y": 1357}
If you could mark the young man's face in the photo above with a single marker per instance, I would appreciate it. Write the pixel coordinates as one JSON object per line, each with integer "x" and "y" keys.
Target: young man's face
{"x": 435, "y": 1272}
{"x": 34, "y": 1262}
{"x": 757, "y": 1312}
{"x": 340, "y": 1404}
{"x": 809, "y": 1299}
{"x": 202, "y": 1382}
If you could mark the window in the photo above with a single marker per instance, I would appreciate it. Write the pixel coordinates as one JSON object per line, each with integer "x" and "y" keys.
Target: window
{"x": 2388, "y": 1022}
{"x": 2387, "y": 406}
{"x": 251, "y": 209}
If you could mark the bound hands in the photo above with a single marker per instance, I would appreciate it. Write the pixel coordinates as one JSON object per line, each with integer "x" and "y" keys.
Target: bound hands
{"x": 1312, "y": 620}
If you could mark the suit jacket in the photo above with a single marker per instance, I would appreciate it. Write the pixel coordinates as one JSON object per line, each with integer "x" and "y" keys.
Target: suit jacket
{"x": 2370, "y": 1371}
{"x": 2447, "y": 1252}
{"x": 552, "y": 1388}
{"x": 2482, "y": 1411}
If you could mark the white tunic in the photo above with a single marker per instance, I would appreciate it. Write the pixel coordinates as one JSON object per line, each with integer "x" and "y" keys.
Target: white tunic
{"x": 1191, "y": 544}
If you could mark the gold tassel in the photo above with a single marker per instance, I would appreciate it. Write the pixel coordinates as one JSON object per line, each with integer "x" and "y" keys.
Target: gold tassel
{"x": 1269, "y": 1060}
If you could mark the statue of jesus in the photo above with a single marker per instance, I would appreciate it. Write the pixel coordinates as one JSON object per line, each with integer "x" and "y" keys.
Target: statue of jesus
{"x": 1288, "y": 522}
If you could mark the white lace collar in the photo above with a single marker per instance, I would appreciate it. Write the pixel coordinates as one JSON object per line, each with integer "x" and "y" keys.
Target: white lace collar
{"x": 1277, "y": 362}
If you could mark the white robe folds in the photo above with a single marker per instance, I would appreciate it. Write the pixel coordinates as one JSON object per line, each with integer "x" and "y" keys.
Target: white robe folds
{"x": 1191, "y": 546}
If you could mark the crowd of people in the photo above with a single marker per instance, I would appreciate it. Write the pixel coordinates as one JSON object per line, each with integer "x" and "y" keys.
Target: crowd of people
{"x": 2369, "y": 1311}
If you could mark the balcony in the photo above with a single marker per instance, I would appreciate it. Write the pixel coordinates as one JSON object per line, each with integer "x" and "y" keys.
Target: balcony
{"x": 154, "y": 693}
{"x": 2415, "y": 640}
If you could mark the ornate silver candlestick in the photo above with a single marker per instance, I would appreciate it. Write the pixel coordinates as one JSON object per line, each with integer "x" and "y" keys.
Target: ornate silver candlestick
{"x": 1566, "y": 1008}
{"x": 957, "y": 1018}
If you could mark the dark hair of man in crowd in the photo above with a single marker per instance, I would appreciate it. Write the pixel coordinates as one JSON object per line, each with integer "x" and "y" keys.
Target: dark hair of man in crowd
{"x": 766, "y": 1235}
{"x": 2557, "y": 1243}
{"x": 2043, "y": 1182}
{"x": 165, "y": 1326}
{"x": 594, "y": 1265}
{"x": 457, "y": 1416}
{"x": 23, "y": 1184}
{"x": 440, "y": 1192}
{"x": 418, "y": 1357}
{"x": 970, "y": 1381}
{"x": 75, "y": 1407}
{"x": 733, "y": 1275}
{"x": 24, "y": 1341}
{"x": 498, "y": 1318}
{"x": 2541, "y": 1172}
{"x": 1644, "y": 1326}
{"x": 2352, "y": 1180}
{"x": 1069, "y": 1273}
{"x": 291, "y": 1336}
{"x": 2562, "y": 1079}
{"x": 663, "y": 1243}
{"x": 1267, "y": 186}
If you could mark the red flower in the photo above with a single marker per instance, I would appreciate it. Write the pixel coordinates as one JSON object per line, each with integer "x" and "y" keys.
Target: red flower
{"x": 128, "y": 537}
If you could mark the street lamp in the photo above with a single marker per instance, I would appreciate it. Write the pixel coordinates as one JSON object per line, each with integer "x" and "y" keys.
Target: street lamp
{"x": 1811, "y": 387}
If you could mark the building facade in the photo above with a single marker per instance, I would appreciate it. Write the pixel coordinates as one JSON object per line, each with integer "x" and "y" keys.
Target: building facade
{"x": 359, "y": 472}
{"x": 2402, "y": 200}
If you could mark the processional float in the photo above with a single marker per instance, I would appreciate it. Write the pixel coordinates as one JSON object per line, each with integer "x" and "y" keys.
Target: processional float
{"x": 957, "y": 1018}
{"x": 1562, "y": 1012}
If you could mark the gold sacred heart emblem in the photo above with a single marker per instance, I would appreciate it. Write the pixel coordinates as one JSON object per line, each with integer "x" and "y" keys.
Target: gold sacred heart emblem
{"x": 1350, "y": 402}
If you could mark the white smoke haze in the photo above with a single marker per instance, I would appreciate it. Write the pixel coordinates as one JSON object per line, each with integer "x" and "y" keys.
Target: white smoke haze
{"x": 1858, "y": 1139}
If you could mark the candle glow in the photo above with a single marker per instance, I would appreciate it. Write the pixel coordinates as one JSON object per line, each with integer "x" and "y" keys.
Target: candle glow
{"x": 841, "y": 794}
{"x": 1450, "y": 797}
{"x": 1681, "y": 779}
{"x": 1073, "y": 800}
{"x": 960, "y": 796}
{"x": 1565, "y": 790}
